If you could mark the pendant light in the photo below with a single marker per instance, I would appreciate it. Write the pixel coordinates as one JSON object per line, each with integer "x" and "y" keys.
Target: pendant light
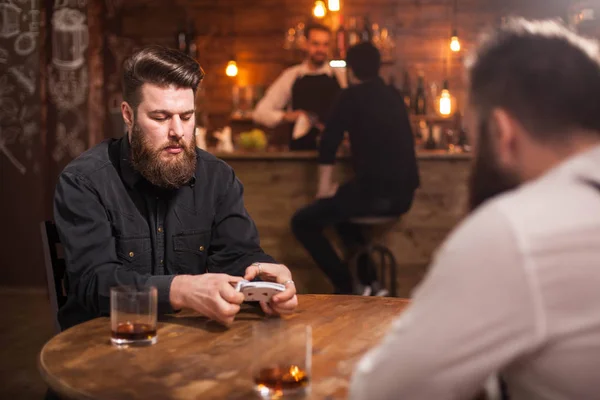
{"x": 319, "y": 9}
{"x": 454, "y": 41}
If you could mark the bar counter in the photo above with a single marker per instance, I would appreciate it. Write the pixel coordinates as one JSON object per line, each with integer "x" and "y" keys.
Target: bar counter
{"x": 278, "y": 183}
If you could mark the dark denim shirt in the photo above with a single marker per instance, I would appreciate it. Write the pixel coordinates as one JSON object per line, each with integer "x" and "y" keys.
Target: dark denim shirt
{"x": 118, "y": 229}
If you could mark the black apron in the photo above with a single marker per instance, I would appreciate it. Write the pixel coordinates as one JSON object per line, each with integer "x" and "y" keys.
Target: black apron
{"x": 315, "y": 94}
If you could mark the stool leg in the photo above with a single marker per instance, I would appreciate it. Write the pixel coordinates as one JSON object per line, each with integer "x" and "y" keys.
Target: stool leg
{"x": 391, "y": 266}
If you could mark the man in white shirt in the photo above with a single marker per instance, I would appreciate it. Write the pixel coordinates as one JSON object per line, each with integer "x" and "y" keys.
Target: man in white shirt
{"x": 515, "y": 290}
{"x": 307, "y": 88}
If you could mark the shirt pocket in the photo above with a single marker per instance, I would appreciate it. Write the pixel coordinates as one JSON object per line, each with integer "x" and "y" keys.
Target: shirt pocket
{"x": 135, "y": 253}
{"x": 191, "y": 250}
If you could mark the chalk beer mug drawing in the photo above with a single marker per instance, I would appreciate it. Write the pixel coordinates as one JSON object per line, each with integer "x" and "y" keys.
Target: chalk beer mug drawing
{"x": 10, "y": 16}
{"x": 69, "y": 38}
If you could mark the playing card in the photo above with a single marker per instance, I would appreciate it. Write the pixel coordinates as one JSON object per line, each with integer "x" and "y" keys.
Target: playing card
{"x": 259, "y": 291}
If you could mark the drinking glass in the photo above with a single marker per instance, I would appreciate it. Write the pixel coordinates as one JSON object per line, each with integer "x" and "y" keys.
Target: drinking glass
{"x": 133, "y": 314}
{"x": 282, "y": 356}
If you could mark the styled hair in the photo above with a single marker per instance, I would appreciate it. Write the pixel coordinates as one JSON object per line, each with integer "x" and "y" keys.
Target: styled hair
{"x": 314, "y": 26}
{"x": 540, "y": 72}
{"x": 364, "y": 60}
{"x": 159, "y": 66}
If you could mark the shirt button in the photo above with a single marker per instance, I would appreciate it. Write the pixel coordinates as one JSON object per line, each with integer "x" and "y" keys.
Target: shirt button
{"x": 131, "y": 254}
{"x": 160, "y": 229}
{"x": 201, "y": 248}
{"x": 161, "y": 261}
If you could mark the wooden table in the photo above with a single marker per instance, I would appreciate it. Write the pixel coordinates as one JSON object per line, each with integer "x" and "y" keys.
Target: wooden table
{"x": 199, "y": 359}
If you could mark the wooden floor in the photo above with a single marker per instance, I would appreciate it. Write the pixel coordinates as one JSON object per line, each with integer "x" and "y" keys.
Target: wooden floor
{"x": 27, "y": 325}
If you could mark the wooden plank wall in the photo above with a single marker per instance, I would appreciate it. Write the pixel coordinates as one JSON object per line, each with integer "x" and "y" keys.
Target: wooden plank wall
{"x": 253, "y": 32}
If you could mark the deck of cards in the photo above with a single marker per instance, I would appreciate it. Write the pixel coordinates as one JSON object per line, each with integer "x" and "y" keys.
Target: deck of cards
{"x": 259, "y": 291}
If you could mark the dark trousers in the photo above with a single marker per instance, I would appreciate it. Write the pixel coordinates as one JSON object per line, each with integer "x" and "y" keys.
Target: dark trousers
{"x": 350, "y": 201}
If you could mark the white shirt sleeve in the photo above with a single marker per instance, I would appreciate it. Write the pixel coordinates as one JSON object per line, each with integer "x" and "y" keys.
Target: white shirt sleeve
{"x": 474, "y": 313}
{"x": 340, "y": 74}
{"x": 270, "y": 109}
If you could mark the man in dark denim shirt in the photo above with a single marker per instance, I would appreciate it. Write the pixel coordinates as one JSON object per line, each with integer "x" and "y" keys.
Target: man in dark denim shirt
{"x": 152, "y": 209}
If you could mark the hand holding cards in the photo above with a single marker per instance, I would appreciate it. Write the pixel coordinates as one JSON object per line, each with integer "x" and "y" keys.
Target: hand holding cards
{"x": 259, "y": 291}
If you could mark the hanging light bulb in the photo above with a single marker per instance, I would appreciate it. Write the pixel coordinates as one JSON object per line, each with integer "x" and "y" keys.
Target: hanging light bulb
{"x": 333, "y": 5}
{"x": 319, "y": 9}
{"x": 445, "y": 101}
{"x": 454, "y": 42}
{"x": 232, "y": 69}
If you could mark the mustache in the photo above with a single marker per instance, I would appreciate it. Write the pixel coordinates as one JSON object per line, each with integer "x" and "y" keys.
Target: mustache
{"x": 173, "y": 143}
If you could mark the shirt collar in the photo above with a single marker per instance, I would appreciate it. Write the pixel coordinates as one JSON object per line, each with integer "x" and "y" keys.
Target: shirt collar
{"x": 324, "y": 69}
{"x": 130, "y": 176}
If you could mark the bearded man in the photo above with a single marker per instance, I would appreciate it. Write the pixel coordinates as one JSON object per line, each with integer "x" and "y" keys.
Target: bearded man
{"x": 151, "y": 209}
{"x": 515, "y": 290}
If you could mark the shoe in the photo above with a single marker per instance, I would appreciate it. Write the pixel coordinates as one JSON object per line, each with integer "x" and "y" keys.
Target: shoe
{"x": 367, "y": 291}
{"x": 378, "y": 290}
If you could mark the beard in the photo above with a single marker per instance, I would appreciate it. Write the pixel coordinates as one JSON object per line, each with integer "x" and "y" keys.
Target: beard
{"x": 171, "y": 174}
{"x": 488, "y": 178}
{"x": 318, "y": 59}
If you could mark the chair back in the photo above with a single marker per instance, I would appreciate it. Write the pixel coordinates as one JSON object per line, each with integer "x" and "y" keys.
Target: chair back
{"x": 55, "y": 269}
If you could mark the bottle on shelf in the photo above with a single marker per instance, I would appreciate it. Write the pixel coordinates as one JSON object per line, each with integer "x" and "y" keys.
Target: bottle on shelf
{"x": 182, "y": 40}
{"x": 192, "y": 49}
{"x": 430, "y": 143}
{"x": 353, "y": 34}
{"x": 420, "y": 101}
{"x": 341, "y": 41}
{"x": 366, "y": 34}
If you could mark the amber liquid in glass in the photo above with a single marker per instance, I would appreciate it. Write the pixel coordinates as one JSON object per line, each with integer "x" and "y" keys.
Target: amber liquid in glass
{"x": 132, "y": 331}
{"x": 282, "y": 378}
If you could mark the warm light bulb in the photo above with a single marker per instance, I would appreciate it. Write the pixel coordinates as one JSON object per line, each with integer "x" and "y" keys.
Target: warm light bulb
{"x": 454, "y": 44}
{"x": 319, "y": 10}
{"x": 333, "y": 5}
{"x": 232, "y": 69}
{"x": 445, "y": 102}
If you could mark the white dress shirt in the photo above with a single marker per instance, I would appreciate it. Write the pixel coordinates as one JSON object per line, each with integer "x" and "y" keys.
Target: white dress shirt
{"x": 514, "y": 290}
{"x": 270, "y": 109}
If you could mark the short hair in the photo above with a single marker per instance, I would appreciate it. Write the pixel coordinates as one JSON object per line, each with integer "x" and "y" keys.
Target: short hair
{"x": 159, "y": 66}
{"x": 544, "y": 75}
{"x": 364, "y": 60}
{"x": 314, "y": 26}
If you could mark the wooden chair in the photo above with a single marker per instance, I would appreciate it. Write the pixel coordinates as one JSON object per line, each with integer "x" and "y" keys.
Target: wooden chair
{"x": 55, "y": 269}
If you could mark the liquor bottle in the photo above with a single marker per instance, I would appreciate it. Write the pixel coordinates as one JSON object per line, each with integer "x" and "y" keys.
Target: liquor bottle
{"x": 420, "y": 101}
{"x": 430, "y": 143}
{"x": 407, "y": 91}
{"x": 182, "y": 40}
{"x": 341, "y": 41}
{"x": 192, "y": 49}
{"x": 353, "y": 34}
{"x": 366, "y": 33}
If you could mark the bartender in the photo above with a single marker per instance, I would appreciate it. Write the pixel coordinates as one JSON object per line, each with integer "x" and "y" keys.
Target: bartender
{"x": 303, "y": 94}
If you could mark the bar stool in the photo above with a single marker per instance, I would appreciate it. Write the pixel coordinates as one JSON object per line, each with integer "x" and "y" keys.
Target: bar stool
{"x": 375, "y": 228}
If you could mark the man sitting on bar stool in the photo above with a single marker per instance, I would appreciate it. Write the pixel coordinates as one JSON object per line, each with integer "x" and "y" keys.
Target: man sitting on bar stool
{"x": 384, "y": 163}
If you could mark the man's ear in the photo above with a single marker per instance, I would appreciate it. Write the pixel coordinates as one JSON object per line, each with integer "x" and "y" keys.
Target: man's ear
{"x": 127, "y": 113}
{"x": 505, "y": 130}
